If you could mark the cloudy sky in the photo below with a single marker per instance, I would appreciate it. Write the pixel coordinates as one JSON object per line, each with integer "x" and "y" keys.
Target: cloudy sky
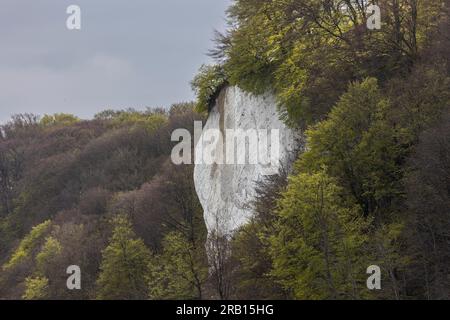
{"x": 136, "y": 53}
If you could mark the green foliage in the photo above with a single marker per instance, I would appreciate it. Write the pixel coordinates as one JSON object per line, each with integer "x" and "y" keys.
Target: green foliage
{"x": 27, "y": 245}
{"x": 307, "y": 51}
{"x": 36, "y": 288}
{"x": 365, "y": 152}
{"x": 125, "y": 264}
{"x": 251, "y": 62}
{"x": 60, "y": 119}
{"x": 179, "y": 272}
{"x": 319, "y": 244}
{"x": 207, "y": 85}
{"x": 359, "y": 147}
{"x": 152, "y": 119}
{"x": 50, "y": 250}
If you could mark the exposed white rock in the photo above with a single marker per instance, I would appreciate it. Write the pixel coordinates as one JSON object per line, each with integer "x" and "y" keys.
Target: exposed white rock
{"x": 226, "y": 191}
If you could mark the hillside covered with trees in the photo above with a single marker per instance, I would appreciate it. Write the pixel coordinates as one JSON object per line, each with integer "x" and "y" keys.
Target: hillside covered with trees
{"x": 372, "y": 187}
{"x": 103, "y": 195}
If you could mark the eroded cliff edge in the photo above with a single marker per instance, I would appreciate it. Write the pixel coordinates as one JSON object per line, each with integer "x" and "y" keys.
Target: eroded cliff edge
{"x": 226, "y": 191}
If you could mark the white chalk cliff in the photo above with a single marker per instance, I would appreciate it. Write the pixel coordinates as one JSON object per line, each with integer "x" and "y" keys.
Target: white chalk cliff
{"x": 226, "y": 191}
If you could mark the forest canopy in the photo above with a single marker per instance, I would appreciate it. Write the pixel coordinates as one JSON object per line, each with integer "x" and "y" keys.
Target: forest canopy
{"x": 101, "y": 194}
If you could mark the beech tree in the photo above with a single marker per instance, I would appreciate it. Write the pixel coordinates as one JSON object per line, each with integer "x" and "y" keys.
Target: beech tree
{"x": 180, "y": 272}
{"x": 360, "y": 148}
{"x": 124, "y": 266}
{"x": 319, "y": 245}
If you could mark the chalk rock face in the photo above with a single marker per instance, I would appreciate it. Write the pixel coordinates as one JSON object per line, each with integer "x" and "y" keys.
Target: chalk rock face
{"x": 226, "y": 188}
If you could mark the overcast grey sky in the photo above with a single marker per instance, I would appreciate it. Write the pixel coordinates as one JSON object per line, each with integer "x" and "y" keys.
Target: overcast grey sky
{"x": 129, "y": 53}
